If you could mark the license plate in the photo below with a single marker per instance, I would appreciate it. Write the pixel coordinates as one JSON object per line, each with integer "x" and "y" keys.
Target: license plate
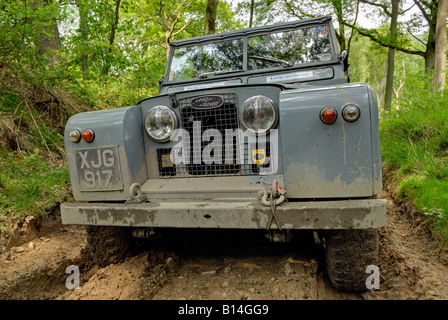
{"x": 99, "y": 169}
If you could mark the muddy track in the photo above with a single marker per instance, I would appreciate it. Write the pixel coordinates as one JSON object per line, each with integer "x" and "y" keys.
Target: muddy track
{"x": 214, "y": 265}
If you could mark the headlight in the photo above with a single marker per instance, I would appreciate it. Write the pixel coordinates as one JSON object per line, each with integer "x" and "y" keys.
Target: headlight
{"x": 160, "y": 123}
{"x": 258, "y": 114}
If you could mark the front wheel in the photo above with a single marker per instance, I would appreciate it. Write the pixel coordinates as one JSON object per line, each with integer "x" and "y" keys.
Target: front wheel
{"x": 109, "y": 244}
{"x": 348, "y": 254}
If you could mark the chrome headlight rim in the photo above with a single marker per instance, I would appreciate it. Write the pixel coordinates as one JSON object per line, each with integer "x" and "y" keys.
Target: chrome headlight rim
{"x": 174, "y": 126}
{"x": 259, "y": 131}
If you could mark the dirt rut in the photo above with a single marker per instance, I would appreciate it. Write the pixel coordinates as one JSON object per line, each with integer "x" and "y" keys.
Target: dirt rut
{"x": 215, "y": 265}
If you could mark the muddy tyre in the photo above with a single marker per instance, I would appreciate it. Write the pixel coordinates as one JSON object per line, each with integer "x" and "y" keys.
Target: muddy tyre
{"x": 348, "y": 253}
{"x": 109, "y": 244}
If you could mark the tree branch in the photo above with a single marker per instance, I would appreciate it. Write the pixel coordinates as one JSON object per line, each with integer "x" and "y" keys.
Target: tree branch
{"x": 406, "y": 10}
{"x": 410, "y": 32}
{"x": 292, "y": 9}
{"x": 353, "y": 23}
{"x": 383, "y": 6}
{"x": 369, "y": 35}
{"x": 425, "y": 14}
{"x": 182, "y": 29}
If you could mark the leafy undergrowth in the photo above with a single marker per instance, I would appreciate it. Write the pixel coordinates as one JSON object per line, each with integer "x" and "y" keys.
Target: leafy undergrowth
{"x": 414, "y": 142}
{"x": 34, "y": 107}
{"x": 30, "y": 185}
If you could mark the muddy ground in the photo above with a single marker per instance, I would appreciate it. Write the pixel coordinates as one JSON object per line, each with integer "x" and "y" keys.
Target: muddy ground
{"x": 214, "y": 265}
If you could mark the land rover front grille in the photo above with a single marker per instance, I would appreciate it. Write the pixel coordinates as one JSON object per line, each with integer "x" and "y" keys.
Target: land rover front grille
{"x": 220, "y": 119}
{"x": 225, "y": 158}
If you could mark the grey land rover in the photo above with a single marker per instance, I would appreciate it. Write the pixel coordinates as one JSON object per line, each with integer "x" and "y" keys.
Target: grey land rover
{"x": 253, "y": 129}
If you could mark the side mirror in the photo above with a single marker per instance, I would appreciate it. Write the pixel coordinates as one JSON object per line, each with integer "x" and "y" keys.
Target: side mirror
{"x": 160, "y": 81}
{"x": 344, "y": 58}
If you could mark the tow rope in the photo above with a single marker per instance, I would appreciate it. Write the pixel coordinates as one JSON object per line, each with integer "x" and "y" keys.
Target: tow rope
{"x": 272, "y": 198}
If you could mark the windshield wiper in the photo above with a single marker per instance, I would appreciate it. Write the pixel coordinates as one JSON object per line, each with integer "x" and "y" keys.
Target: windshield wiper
{"x": 286, "y": 64}
{"x": 214, "y": 73}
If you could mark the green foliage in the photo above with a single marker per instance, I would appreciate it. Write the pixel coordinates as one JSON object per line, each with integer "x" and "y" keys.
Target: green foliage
{"x": 21, "y": 28}
{"x": 30, "y": 185}
{"x": 226, "y": 19}
{"x": 264, "y": 12}
{"x": 430, "y": 196}
{"x": 415, "y": 143}
{"x": 137, "y": 58}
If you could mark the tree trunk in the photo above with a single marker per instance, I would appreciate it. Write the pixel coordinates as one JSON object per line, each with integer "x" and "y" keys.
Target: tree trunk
{"x": 83, "y": 9}
{"x": 440, "y": 50}
{"x": 430, "y": 56}
{"x": 170, "y": 18}
{"x": 337, "y": 4}
{"x": 210, "y": 16}
{"x": 430, "y": 53}
{"x": 251, "y": 18}
{"x": 391, "y": 57}
{"x": 48, "y": 40}
{"x": 112, "y": 34}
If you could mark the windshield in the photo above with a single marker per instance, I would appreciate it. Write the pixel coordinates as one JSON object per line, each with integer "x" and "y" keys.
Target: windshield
{"x": 293, "y": 47}
{"x": 274, "y": 50}
{"x": 197, "y": 61}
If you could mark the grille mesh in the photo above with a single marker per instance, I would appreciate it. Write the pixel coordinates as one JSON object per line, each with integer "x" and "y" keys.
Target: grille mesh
{"x": 225, "y": 158}
{"x": 220, "y": 119}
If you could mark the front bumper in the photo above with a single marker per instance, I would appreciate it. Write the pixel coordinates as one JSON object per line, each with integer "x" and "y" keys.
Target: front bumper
{"x": 238, "y": 214}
